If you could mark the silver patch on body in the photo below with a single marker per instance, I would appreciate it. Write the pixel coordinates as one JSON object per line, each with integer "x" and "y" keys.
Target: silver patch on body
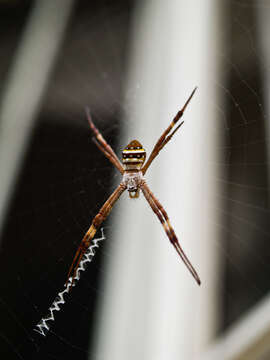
{"x": 132, "y": 180}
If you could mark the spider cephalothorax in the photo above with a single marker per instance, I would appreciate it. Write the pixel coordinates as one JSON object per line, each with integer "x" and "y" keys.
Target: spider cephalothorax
{"x": 133, "y": 169}
{"x": 132, "y": 180}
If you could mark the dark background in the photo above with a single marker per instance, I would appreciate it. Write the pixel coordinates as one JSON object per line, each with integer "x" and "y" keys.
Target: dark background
{"x": 64, "y": 180}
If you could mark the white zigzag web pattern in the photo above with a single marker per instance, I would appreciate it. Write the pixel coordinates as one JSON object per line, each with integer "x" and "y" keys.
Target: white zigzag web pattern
{"x": 43, "y": 327}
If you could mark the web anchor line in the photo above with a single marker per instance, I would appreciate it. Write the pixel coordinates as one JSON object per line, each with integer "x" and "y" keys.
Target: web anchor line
{"x": 43, "y": 327}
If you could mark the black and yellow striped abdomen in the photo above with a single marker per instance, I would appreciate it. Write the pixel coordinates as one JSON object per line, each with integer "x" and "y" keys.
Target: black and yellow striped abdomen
{"x": 133, "y": 156}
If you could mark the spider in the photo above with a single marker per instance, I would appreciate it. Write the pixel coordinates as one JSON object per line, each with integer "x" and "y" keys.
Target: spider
{"x": 133, "y": 170}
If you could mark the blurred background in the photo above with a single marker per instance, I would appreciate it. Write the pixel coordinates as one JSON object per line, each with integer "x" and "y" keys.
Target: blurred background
{"x": 134, "y": 63}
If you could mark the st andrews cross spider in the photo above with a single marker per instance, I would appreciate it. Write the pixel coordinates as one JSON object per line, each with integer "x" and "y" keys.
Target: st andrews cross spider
{"x": 133, "y": 170}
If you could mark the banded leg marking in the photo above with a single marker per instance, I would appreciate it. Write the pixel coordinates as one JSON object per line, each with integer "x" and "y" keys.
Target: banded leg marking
{"x": 165, "y": 222}
{"x": 97, "y": 221}
{"x": 165, "y": 137}
{"x": 103, "y": 145}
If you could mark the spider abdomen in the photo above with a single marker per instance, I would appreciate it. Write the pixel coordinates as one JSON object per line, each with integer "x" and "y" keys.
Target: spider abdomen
{"x": 133, "y": 156}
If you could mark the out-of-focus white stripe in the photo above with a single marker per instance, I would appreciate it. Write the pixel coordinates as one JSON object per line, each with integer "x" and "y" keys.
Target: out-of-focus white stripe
{"x": 152, "y": 307}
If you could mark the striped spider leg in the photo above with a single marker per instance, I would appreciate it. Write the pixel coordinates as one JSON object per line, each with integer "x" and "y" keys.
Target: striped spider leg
{"x": 133, "y": 158}
{"x": 165, "y": 137}
{"x": 106, "y": 208}
{"x": 89, "y": 235}
{"x": 103, "y": 145}
{"x": 165, "y": 222}
{"x": 153, "y": 201}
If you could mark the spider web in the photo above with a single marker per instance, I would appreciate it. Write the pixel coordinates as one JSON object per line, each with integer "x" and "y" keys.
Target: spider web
{"x": 65, "y": 180}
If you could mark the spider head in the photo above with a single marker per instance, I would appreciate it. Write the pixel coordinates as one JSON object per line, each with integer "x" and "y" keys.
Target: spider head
{"x": 133, "y": 156}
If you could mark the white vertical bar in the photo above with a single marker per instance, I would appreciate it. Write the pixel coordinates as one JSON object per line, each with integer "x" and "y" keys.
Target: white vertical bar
{"x": 152, "y": 307}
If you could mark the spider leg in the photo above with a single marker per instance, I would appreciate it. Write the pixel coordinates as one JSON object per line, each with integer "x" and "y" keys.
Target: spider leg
{"x": 103, "y": 145}
{"x": 98, "y": 219}
{"x": 165, "y": 137}
{"x": 163, "y": 218}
